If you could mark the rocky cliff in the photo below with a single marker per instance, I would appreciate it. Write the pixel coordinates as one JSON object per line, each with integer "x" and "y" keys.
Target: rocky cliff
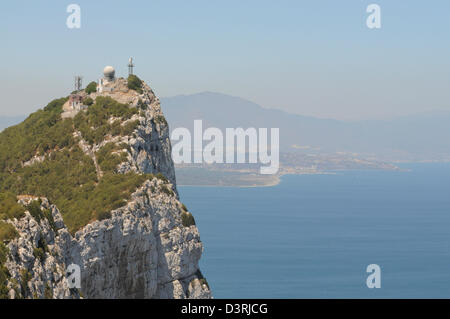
{"x": 146, "y": 247}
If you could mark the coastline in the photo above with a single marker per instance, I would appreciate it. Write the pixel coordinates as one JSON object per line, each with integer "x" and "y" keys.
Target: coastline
{"x": 275, "y": 181}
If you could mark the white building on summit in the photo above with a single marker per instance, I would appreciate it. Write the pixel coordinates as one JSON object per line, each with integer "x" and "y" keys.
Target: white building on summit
{"x": 106, "y": 84}
{"x": 109, "y": 85}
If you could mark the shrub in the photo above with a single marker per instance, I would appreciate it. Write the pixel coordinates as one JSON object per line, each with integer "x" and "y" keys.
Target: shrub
{"x": 102, "y": 215}
{"x": 39, "y": 253}
{"x": 55, "y": 105}
{"x": 88, "y": 101}
{"x": 129, "y": 128}
{"x": 116, "y": 128}
{"x": 25, "y": 277}
{"x": 48, "y": 214}
{"x": 42, "y": 244}
{"x": 4, "y": 273}
{"x": 184, "y": 207}
{"x": 166, "y": 190}
{"x": 9, "y": 208}
{"x": 107, "y": 160}
{"x": 187, "y": 219}
{"x": 34, "y": 208}
{"x": 48, "y": 292}
{"x": 91, "y": 87}
{"x": 41, "y": 249}
{"x": 4, "y": 251}
{"x": 159, "y": 119}
{"x": 134, "y": 83}
{"x": 94, "y": 125}
{"x": 141, "y": 105}
{"x": 162, "y": 177}
{"x": 4, "y": 290}
{"x": 7, "y": 232}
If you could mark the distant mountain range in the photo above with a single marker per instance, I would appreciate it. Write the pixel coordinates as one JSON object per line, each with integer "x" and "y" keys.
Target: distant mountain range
{"x": 421, "y": 137}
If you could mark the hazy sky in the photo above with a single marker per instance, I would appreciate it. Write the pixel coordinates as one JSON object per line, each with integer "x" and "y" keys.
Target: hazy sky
{"x": 311, "y": 57}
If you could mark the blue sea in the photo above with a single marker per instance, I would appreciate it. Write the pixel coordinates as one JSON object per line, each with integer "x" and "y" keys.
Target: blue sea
{"x": 313, "y": 236}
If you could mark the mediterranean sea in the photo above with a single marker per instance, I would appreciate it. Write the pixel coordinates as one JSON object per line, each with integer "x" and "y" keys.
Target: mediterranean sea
{"x": 312, "y": 236}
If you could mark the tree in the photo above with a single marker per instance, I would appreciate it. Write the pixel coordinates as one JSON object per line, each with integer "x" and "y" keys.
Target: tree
{"x": 88, "y": 101}
{"x": 135, "y": 83}
{"x": 91, "y": 88}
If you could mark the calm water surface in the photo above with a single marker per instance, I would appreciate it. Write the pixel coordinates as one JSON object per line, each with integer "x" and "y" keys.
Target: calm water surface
{"x": 313, "y": 236}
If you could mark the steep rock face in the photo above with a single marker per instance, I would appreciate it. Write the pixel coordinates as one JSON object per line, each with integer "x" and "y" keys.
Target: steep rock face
{"x": 151, "y": 149}
{"x": 35, "y": 276}
{"x": 140, "y": 250}
{"x": 144, "y": 250}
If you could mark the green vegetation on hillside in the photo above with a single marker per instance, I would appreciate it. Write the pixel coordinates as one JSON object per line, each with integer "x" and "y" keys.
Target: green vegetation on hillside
{"x": 41, "y": 132}
{"x": 187, "y": 219}
{"x": 135, "y": 83}
{"x": 93, "y": 124}
{"x": 4, "y": 273}
{"x": 91, "y": 87}
{"x": 34, "y": 208}
{"x": 110, "y": 155}
{"x": 69, "y": 180}
{"x": 88, "y": 101}
{"x": 67, "y": 176}
{"x": 41, "y": 249}
{"x": 9, "y": 208}
{"x": 25, "y": 277}
{"x": 166, "y": 190}
{"x": 7, "y": 232}
{"x": 141, "y": 105}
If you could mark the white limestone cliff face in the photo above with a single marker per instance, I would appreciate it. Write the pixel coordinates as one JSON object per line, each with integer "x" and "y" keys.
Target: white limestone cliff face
{"x": 31, "y": 276}
{"x": 151, "y": 148}
{"x": 144, "y": 250}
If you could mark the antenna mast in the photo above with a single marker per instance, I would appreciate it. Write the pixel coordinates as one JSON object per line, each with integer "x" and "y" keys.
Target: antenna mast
{"x": 130, "y": 66}
{"x": 78, "y": 82}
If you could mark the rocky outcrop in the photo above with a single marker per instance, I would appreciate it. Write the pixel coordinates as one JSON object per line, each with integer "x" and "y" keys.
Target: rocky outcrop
{"x": 151, "y": 151}
{"x": 36, "y": 261}
{"x": 145, "y": 249}
{"x": 142, "y": 251}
